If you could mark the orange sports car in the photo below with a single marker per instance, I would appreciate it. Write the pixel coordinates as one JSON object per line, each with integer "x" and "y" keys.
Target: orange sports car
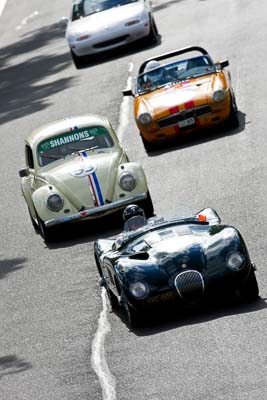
{"x": 180, "y": 97}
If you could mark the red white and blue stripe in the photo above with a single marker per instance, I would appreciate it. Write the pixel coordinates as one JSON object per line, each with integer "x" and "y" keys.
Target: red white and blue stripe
{"x": 74, "y": 127}
{"x": 94, "y": 184}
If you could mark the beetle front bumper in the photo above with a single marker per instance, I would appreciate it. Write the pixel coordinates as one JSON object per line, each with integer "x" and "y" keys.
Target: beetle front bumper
{"x": 97, "y": 211}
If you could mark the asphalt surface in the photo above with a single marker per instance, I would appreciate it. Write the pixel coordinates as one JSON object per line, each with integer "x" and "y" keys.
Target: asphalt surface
{"x": 50, "y": 301}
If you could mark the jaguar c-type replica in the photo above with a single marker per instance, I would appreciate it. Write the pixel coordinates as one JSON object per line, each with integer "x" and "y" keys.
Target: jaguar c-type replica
{"x": 77, "y": 170}
{"x": 183, "y": 96}
{"x": 174, "y": 263}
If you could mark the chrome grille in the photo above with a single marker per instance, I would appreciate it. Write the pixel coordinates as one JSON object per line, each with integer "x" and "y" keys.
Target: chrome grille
{"x": 189, "y": 285}
{"x": 175, "y": 118}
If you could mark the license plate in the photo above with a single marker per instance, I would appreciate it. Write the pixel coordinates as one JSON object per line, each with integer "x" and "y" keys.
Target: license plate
{"x": 186, "y": 122}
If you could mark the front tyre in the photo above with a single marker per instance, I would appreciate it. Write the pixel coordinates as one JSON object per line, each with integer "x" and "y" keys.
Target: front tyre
{"x": 153, "y": 32}
{"x": 46, "y": 233}
{"x": 77, "y": 61}
{"x": 133, "y": 317}
{"x": 249, "y": 291}
{"x": 149, "y": 146}
{"x": 233, "y": 120}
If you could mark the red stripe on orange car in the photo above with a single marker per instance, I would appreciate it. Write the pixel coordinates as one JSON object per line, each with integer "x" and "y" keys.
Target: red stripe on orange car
{"x": 189, "y": 104}
{"x": 175, "y": 110}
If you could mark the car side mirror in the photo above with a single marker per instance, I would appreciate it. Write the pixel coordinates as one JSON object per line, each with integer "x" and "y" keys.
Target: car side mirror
{"x": 222, "y": 64}
{"x": 65, "y": 20}
{"x": 23, "y": 172}
{"x": 127, "y": 92}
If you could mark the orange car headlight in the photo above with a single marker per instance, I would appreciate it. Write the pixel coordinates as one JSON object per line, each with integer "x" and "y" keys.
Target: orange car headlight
{"x": 218, "y": 96}
{"x": 144, "y": 119}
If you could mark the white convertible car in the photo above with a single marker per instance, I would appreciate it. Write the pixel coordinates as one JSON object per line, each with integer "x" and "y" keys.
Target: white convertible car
{"x": 75, "y": 170}
{"x": 99, "y": 25}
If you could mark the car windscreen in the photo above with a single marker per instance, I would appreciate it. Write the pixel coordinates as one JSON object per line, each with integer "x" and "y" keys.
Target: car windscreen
{"x": 83, "y": 8}
{"x": 65, "y": 144}
{"x": 150, "y": 239}
{"x": 175, "y": 72}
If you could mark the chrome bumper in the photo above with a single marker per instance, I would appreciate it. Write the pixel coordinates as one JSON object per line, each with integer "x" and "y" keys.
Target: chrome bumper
{"x": 97, "y": 210}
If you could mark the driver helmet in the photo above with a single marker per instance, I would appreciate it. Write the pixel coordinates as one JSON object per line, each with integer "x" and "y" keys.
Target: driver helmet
{"x": 150, "y": 73}
{"x": 132, "y": 211}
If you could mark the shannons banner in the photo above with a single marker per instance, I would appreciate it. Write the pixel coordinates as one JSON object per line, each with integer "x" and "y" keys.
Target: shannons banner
{"x": 70, "y": 137}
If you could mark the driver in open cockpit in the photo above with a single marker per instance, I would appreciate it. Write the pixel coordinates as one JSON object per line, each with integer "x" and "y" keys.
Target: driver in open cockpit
{"x": 133, "y": 217}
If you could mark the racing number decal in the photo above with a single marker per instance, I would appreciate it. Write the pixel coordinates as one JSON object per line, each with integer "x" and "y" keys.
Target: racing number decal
{"x": 94, "y": 183}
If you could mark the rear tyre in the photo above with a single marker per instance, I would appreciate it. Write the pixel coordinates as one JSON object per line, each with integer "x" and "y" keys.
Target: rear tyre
{"x": 112, "y": 299}
{"x": 77, "y": 61}
{"x": 249, "y": 291}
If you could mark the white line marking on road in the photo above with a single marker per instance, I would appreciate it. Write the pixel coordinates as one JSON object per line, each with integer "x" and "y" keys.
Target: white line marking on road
{"x": 2, "y": 5}
{"x": 125, "y": 108}
{"x": 27, "y": 19}
{"x": 99, "y": 364}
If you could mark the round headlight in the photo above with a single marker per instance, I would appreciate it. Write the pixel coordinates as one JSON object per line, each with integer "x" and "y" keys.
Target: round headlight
{"x": 235, "y": 261}
{"x": 127, "y": 182}
{"x": 219, "y": 95}
{"x": 55, "y": 202}
{"x": 145, "y": 119}
{"x": 138, "y": 290}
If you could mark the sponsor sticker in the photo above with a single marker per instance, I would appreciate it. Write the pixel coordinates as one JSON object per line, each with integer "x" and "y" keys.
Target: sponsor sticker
{"x": 70, "y": 137}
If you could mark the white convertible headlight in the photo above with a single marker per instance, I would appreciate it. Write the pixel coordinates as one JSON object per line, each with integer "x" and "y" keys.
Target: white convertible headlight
{"x": 219, "y": 95}
{"x": 139, "y": 290}
{"x": 145, "y": 119}
{"x": 235, "y": 261}
{"x": 83, "y": 37}
{"x": 133, "y": 22}
{"x": 127, "y": 182}
{"x": 55, "y": 202}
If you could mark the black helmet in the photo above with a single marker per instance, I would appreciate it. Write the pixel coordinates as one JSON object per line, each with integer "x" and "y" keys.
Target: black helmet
{"x": 132, "y": 211}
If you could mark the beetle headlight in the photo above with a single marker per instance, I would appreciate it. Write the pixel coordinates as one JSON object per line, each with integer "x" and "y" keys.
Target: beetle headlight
{"x": 235, "y": 261}
{"x": 139, "y": 290}
{"x": 218, "y": 95}
{"x": 127, "y": 182}
{"x": 55, "y": 202}
{"x": 145, "y": 119}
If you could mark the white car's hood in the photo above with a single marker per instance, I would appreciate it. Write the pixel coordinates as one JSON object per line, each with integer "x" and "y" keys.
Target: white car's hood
{"x": 106, "y": 19}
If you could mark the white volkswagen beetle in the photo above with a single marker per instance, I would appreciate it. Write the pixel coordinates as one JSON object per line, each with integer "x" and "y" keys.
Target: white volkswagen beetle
{"x": 76, "y": 169}
{"x": 99, "y": 25}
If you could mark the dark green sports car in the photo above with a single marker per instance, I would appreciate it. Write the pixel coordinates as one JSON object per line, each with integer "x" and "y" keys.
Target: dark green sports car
{"x": 174, "y": 262}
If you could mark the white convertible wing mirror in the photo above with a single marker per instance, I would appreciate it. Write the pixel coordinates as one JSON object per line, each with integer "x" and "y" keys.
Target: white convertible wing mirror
{"x": 64, "y": 20}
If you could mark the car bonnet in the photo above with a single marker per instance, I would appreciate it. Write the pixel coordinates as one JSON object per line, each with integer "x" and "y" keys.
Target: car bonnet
{"x": 91, "y": 179}
{"x": 183, "y": 95}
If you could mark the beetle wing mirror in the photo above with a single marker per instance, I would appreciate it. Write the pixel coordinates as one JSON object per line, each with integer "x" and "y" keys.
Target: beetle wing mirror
{"x": 23, "y": 172}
